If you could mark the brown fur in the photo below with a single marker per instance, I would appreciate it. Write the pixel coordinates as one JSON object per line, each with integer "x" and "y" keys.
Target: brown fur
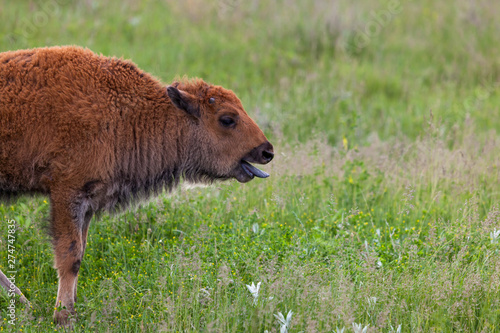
{"x": 93, "y": 133}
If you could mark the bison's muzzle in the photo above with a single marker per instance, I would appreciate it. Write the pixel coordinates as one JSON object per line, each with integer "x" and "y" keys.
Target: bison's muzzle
{"x": 262, "y": 154}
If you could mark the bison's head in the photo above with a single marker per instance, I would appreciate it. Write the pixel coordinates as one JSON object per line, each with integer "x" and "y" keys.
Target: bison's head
{"x": 224, "y": 140}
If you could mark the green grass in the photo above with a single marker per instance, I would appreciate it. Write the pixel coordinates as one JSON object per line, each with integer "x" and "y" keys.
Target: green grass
{"x": 384, "y": 191}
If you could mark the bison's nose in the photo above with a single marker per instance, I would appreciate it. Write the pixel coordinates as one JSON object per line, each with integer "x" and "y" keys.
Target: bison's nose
{"x": 265, "y": 152}
{"x": 262, "y": 154}
{"x": 267, "y": 155}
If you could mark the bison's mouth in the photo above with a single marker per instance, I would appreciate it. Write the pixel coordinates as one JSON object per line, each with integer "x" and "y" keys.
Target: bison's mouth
{"x": 246, "y": 172}
{"x": 253, "y": 171}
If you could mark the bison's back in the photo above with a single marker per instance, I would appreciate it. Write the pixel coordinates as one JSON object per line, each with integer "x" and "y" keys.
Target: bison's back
{"x": 46, "y": 91}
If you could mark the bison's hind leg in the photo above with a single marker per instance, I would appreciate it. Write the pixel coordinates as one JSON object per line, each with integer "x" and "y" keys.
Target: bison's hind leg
{"x": 69, "y": 225}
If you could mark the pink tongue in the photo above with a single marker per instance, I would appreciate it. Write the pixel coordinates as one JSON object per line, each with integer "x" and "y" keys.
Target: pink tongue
{"x": 253, "y": 171}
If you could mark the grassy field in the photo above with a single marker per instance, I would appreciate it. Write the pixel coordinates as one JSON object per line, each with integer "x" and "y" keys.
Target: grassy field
{"x": 382, "y": 208}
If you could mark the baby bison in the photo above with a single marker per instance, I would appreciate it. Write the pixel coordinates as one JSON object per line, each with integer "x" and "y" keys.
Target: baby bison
{"x": 94, "y": 133}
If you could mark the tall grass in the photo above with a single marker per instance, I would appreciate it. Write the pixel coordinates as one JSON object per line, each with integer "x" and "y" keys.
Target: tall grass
{"x": 392, "y": 234}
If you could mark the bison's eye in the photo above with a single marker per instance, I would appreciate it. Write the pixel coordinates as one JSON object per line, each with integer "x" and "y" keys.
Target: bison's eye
{"x": 227, "y": 121}
{"x": 211, "y": 100}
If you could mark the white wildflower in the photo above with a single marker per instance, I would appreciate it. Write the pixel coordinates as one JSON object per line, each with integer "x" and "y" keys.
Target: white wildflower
{"x": 254, "y": 290}
{"x": 494, "y": 235}
{"x": 285, "y": 323}
{"x": 358, "y": 328}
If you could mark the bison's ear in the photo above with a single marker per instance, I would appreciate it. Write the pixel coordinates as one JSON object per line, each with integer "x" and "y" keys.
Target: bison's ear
{"x": 184, "y": 101}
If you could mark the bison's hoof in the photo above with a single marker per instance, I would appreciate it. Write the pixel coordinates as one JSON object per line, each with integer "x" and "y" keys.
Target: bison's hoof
{"x": 65, "y": 317}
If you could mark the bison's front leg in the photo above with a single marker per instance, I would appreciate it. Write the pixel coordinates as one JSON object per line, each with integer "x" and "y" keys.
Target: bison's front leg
{"x": 70, "y": 218}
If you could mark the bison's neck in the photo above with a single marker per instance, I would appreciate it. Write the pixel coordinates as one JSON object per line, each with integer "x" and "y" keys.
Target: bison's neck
{"x": 153, "y": 150}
